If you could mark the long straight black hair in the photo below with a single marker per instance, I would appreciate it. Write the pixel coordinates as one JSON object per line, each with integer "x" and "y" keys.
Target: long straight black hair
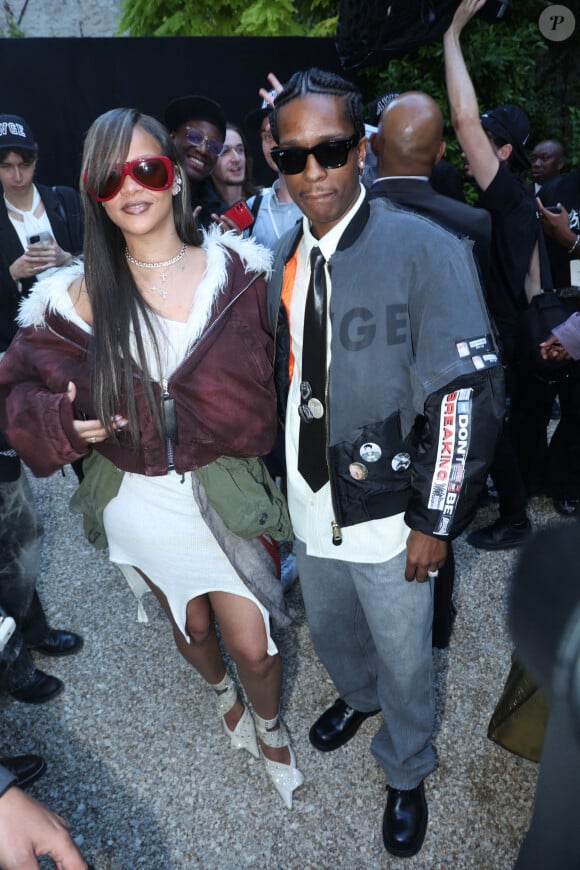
{"x": 118, "y": 308}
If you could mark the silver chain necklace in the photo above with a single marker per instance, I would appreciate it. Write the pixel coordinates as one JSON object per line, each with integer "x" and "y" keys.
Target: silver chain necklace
{"x": 162, "y": 264}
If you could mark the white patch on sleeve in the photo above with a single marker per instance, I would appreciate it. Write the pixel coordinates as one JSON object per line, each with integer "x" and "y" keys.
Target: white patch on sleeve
{"x": 452, "y": 449}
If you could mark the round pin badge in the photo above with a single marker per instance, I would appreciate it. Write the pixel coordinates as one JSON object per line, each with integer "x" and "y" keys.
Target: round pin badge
{"x": 400, "y": 462}
{"x": 370, "y": 452}
{"x": 316, "y": 408}
{"x": 358, "y": 471}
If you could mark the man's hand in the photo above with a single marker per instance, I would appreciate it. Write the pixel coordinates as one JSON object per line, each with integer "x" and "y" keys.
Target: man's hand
{"x": 482, "y": 161}
{"x": 463, "y": 15}
{"x": 553, "y": 349}
{"x": 557, "y": 226}
{"x": 32, "y": 262}
{"x": 225, "y": 224}
{"x": 29, "y": 830}
{"x": 275, "y": 85}
{"x": 425, "y": 555}
{"x": 37, "y": 258}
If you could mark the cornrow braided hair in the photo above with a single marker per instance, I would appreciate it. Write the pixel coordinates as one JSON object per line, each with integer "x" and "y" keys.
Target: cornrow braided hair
{"x": 317, "y": 81}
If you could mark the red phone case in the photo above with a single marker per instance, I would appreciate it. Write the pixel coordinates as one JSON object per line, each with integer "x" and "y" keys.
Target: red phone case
{"x": 240, "y": 214}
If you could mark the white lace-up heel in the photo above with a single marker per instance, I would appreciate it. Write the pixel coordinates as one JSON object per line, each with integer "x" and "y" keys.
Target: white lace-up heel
{"x": 286, "y": 777}
{"x": 244, "y": 734}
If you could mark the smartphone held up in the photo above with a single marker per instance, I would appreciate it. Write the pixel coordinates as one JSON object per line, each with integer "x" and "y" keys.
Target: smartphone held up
{"x": 42, "y": 238}
{"x": 240, "y": 214}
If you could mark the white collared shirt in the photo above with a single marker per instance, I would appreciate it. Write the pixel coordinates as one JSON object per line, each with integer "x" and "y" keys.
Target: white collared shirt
{"x": 312, "y": 512}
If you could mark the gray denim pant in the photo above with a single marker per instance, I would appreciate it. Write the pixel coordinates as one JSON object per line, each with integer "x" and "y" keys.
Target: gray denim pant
{"x": 372, "y": 631}
{"x": 21, "y": 537}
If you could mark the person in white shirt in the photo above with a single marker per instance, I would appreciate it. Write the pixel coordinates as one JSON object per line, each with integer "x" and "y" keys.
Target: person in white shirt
{"x": 392, "y": 395}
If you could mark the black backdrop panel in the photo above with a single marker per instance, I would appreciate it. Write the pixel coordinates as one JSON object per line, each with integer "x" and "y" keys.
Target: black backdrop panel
{"x": 61, "y": 85}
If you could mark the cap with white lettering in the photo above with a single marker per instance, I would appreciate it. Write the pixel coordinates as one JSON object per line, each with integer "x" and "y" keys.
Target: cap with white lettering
{"x": 16, "y": 133}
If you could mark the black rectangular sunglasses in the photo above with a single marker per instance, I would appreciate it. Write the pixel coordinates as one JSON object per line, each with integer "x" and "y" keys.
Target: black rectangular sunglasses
{"x": 330, "y": 155}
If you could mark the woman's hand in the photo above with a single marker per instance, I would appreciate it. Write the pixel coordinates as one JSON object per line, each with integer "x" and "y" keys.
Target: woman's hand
{"x": 93, "y": 431}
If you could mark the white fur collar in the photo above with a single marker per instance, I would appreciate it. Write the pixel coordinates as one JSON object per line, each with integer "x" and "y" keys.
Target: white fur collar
{"x": 51, "y": 294}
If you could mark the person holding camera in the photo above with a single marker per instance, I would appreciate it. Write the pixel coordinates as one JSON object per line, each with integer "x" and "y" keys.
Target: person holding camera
{"x": 40, "y": 227}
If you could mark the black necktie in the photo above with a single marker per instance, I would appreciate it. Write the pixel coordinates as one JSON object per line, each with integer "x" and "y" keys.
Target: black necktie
{"x": 312, "y": 463}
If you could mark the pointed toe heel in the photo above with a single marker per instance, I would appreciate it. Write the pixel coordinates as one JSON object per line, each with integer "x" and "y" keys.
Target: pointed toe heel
{"x": 285, "y": 777}
{"x": 243, "y": 736}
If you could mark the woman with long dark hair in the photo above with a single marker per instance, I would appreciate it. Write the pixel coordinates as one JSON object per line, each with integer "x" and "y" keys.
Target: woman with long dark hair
{"x": 158, "y": 355}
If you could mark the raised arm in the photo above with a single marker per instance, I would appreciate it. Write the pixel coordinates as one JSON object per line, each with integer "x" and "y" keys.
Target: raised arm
{"x": 480, "y": 155}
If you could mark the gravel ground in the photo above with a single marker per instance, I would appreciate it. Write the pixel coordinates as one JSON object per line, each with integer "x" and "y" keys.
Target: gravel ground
{"x": 138, "y": 763}
{"x": 139, "y": 766}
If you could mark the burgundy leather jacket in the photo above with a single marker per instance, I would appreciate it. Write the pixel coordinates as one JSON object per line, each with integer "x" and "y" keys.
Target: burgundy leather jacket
{"x": 224, "y": 390}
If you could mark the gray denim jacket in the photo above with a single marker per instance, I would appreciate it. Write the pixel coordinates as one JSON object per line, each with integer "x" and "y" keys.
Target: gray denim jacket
{"x": 414, "y": 370}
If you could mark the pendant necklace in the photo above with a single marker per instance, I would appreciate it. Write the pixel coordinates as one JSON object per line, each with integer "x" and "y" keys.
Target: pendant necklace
{"x": 163, "y": 290}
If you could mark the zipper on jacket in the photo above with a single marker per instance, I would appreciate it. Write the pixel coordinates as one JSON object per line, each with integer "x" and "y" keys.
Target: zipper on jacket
{"x": 167, "y": 403}
{"x": 165, "y": 399}
{"x": 336, "y": 530}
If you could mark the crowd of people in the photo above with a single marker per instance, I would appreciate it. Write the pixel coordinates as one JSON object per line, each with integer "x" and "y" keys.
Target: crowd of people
{"x": 356, "y": 342}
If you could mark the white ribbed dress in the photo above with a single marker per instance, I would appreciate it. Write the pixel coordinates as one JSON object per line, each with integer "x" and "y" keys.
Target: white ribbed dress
{"x": 154, "y": 523}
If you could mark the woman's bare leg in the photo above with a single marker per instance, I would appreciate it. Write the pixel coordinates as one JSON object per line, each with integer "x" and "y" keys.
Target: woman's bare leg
{"x": 244, "y": 636}
{"x": 202, "y": 651}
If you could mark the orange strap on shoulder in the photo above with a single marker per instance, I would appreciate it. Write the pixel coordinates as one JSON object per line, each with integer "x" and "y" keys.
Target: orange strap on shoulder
{"x": 287, "y": 291}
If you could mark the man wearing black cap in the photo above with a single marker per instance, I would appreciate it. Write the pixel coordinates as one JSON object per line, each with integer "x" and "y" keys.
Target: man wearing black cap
{"x": 198, "y": 128}
{"x": 493, "y": 148}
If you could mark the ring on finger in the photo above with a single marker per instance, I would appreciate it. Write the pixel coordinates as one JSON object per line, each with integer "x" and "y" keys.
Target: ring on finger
{"x": 93, "y": 440}
{"x": 433, "y": 574}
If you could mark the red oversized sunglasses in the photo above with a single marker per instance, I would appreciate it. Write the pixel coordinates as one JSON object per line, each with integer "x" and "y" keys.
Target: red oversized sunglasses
{"x": 154, "y": 173}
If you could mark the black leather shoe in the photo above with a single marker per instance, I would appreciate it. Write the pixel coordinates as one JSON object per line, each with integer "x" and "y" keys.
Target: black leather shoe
{"x": 60, "y": 643}
{"x": 405, "y": 821}
{"x": 336, "y": 726}
{"x": 40, "y": 688}
{"x": 501, "y": 535}
{"x": 26, "y": 768}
